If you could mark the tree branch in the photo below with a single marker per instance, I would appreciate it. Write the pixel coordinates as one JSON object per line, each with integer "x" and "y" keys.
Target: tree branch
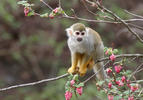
{"x": 46, "y": 4}
{"x": 124, "y": 22}
{"x": 34, "y": 83}
{"x": 65, "y": 75}
{"x": 133, "y": 14}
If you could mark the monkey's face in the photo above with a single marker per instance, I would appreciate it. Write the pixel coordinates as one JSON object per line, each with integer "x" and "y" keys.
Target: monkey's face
{"x": 79, "y": 36}
{"x": 78, "y": 41}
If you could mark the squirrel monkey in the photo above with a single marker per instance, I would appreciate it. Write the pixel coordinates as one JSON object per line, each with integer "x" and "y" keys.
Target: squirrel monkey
{"x": 85, "y": 46}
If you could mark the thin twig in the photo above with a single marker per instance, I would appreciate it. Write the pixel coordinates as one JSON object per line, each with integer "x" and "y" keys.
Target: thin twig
{"x": 99, "y": 21}
{"x": 34, "y": 83}
{"x": 95, "y": 73}
{"x": 60, "y": 3}
{"x": 90, "y": 20}
{"x": 140, "y": 92}
{"x": 124, "y": 22}
{"x": 136, "y": 70}
{"x": 93, "y": 12}
{"x": 133, "y": 14}
{"x": 132, "y": 20}
{"x": 121, "y": 56}
{"x": 140, "y": 70}
{"x": 135, "y": 26}
{"x": 46, "y": 4}
{"x": 138, "y": 81}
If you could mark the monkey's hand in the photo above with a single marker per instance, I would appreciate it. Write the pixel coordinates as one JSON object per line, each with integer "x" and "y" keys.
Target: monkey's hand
{"x": 72, "y": 70}
{"x": 82, "y": 71}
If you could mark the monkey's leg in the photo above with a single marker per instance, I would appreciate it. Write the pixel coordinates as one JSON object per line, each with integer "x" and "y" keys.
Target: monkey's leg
{"x": 74, "y": 60}
{"x": 79, "y": 60}
{"x": 83, "y": 67}
{"x": 91, "y": 64}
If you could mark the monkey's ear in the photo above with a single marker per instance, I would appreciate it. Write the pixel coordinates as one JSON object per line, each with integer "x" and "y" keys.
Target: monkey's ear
{"x": 69, "y": 32}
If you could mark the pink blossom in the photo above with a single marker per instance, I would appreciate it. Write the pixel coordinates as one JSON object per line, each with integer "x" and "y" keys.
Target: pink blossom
{"x": 112, "y": 57}
{"x": 107, "y": 51}
{"x": 131, "y": 98}
{"x": 79, "y": 90}
{"x": 123, "y": 78}
{"x": 26, "y": 11}
{"x": 68, "y": 95}
{"x": 109, "y": 70}
{"x": 110, "y": 97}
{"x": 119, "y": 83}
{"x": 110, "y": 85}
{"x": 134, "y": 88}
{"x": 118, "y": 68}
{"x": 51, "y": 16}
{"x": 72, "y": 82}
{"x": 55, "y": 10}
{"x": 128, "y": 85}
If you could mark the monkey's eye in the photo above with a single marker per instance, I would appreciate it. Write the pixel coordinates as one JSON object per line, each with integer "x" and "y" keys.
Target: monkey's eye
{"x": 77, "y": 33}
{"x": 82, "y": 33}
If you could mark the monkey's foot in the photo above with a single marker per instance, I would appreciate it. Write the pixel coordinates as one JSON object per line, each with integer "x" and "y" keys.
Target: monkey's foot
{"x": 91, "y": 64}
{"x": 72, "y": 70}
{"x": 82, "y": 72}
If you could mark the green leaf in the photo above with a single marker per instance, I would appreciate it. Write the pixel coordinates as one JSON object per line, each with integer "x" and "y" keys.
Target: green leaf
{"x": 70, "y": 77}
{"x": 115, "y": 51}
{"x": 79, "y": 85}
{"x": 117, "y": 97}
{"x": 67, "y": 84}
{"x": 44, "y": 15}
{"x": 75, "y": 77}
{"x": 109, "y": 53}
{"x": 25, "y": 3}
{"x": 62, "y": 12}
{"x": 28, "y": 5}
{"x": 31, "y": 13}
{"x": 126, "y": 92}
{"x": 105, "y": 49}
{"x": 100, "y": 83}
{"x": 21, "y": 2}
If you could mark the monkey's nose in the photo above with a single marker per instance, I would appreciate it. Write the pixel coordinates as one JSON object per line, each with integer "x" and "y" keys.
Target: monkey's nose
{"x": 79, "y": 39}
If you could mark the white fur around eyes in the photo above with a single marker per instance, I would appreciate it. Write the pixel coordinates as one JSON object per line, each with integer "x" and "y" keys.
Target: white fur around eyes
{"x": 81, "y": 47}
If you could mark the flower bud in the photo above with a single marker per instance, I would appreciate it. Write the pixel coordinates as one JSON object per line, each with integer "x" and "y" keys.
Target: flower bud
{"x": 26, "y": 11}
{"x": 68, "y": 95}
{"x": 118, "y": 68}
{"x": 131, "y": 98}
{"x": 109, "y": 70}
{"x": 123, "y": 78}
{"x": 110, "y": 97}
{"x": 112, "y": 57}
{"x": 79, "y": 90}
{"x": 135, "y": 87}
{"x": 110, "y": 85}
{"x": 72, "y": 82}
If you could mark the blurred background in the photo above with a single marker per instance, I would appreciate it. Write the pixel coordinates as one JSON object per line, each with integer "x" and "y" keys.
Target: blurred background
{"x": 34, "y": 48}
